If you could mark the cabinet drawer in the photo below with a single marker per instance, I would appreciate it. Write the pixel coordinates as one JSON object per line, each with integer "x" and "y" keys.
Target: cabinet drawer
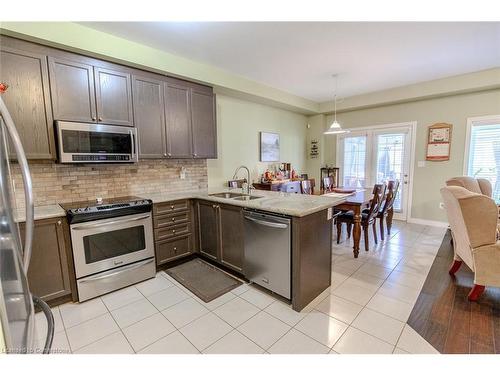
{"x": 171, "y": 219}
{"x": 170, "y": 250}
{"x": 170, "y": 232}
{"x": 170, "y": 207}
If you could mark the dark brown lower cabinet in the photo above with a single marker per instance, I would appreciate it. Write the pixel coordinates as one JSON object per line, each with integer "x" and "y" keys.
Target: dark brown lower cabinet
{"x": 221, "y": 233}
{"x": 231, "y": 236}
{"x": 51, "y": 274}
{"x": 208, "y": 229}
{"x": 172, "y": 230}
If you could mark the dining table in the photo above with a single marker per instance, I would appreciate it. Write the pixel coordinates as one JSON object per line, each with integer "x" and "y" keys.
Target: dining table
{"x": 357, "y": 202}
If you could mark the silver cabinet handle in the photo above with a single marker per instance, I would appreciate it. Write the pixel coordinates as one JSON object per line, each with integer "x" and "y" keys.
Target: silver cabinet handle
{"x": 93, "y": 118}
{"x": 121, "y": 270}
{"x": 28, "y": 187}
{"x": 267, "y": 223}
{"x": 87, "y": 226}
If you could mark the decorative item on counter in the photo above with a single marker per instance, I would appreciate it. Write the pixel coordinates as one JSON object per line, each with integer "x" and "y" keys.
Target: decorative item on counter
{"x": 3, "y": 87}
{"x": 294, "y": 174}
{"x": 439, "y": 142}
{"x": 268, "y": 175}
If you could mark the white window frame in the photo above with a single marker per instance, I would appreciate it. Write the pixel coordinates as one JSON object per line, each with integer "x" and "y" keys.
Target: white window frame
{"x": 474, "y": 121}
{"x": 367, "y": 130}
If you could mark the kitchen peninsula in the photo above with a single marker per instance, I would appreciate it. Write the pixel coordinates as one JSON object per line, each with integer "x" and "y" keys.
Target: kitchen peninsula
{"x": 210, "y": 224}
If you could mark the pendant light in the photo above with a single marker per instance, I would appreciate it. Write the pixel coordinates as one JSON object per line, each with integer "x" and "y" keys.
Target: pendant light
{"x": 335, "y": 127}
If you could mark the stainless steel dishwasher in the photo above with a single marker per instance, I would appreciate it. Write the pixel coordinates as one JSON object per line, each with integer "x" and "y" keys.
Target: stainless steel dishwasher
{"x": 268, "y": 251}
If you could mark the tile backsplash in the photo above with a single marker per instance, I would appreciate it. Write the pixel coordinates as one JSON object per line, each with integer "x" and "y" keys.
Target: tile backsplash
{"x": 61, "y": 183}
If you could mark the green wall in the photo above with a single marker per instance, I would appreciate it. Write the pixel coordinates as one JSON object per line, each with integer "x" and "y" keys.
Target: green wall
{"x": 238, "y": 125}
{"x": 429, "y": 179}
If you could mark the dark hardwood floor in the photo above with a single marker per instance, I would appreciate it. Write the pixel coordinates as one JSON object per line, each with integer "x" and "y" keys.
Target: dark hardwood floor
{"x": 444, "y": 316}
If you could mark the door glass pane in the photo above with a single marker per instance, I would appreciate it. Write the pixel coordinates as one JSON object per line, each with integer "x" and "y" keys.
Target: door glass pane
{"x": 354, "y": 161}
{"x": 106, "y": 245}
{"x": 484, "y": 155}
{"x": 390, "y": 159}
{"x": 75, "y": 141}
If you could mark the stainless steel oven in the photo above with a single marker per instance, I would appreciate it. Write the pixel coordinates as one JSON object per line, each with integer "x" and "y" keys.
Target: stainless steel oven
{"x": 112, "y": 246}
{"x": 95, "y": 143}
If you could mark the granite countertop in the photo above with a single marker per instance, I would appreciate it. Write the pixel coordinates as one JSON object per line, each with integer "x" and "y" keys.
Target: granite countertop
{"x": 282, "y": 203}
{"x": 41, "y": 212}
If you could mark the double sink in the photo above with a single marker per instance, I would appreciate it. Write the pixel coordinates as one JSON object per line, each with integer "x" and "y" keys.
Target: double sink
{"x": 235, "y": 196}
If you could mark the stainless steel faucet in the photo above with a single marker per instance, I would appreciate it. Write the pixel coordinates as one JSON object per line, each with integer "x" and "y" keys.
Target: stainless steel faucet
{"x": 245, "y": 187}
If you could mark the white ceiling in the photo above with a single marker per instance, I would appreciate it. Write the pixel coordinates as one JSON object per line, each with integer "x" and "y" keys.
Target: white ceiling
{"x": 300, "y": 57}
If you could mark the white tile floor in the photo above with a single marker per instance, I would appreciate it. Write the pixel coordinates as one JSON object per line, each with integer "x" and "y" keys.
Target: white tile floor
{"x": 366, "y": 311}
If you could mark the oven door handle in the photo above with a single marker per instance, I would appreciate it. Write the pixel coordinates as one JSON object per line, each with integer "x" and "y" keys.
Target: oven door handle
{"x": 117, "y": 272}
{"x": 87, "y": 226}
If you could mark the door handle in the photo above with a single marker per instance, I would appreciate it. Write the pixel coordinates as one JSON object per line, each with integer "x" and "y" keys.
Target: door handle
{"x": 267, "y": 223}
{"x": 121, "y": 270}
{"x": 28, "y": 189}
{"x": 87, "y": 226}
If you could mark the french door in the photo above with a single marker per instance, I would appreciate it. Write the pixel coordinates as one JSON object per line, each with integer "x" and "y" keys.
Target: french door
{"x": 376, "y": 155}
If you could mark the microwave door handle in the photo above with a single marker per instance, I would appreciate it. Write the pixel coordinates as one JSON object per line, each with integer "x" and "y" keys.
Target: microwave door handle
{"x": 132, "y": 139}
{"x": 87, "y": 226}
{"x": 28, "y": 189}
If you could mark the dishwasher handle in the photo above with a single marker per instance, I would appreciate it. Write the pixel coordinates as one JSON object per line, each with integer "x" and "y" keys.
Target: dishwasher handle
{"x": 267, "y": 223}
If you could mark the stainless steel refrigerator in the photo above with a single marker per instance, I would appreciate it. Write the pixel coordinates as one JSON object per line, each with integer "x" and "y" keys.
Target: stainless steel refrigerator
{"x": 17, "y": 313}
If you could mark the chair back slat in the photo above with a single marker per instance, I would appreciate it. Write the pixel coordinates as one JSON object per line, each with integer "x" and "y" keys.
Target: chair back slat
{"x": 378, "y": 194}
{"x": 393, "y": 194}
{"x": 390, "y": 196}
{"x": 328, "y": 184}
{"x": 307, "y": 187}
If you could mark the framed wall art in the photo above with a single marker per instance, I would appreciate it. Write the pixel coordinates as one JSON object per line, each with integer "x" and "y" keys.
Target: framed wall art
{"x": 269, "y": 146}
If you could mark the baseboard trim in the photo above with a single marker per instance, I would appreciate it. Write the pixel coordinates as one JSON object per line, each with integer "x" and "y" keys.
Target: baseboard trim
{"x": 432, "y": 223}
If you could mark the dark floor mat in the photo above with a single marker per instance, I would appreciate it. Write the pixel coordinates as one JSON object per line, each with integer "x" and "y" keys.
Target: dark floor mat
{"x": 204, "y": 280}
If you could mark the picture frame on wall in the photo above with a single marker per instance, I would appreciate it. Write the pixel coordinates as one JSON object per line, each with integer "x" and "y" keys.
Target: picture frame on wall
{"x": 439, "y": 142}
{"x": 269, "y": 147}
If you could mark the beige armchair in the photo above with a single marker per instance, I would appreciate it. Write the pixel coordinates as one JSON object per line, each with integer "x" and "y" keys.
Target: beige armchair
{"x": 479, "y": 185}
{"x": 473, "y": 219}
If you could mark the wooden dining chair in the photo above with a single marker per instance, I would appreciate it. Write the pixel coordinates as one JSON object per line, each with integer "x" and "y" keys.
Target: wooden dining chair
{"x": 386, "y": 208}
{"x": 307, "y": 187}
{"x": 367, "y": 218}
{"x": 328, "y": 184}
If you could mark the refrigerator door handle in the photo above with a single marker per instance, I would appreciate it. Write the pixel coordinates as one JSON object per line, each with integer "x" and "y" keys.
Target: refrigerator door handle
{"x": 28, "y": 188}
{"x": 50, "y": 322}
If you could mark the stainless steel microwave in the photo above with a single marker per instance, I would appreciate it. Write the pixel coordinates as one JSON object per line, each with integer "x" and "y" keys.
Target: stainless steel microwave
{"x": 79, "y": 142}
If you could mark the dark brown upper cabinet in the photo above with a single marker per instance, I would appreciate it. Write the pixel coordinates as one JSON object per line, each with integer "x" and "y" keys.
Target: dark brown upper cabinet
{"x": 204, "y": 127}
{"x": 114, "y": 97}
{"x": 28, "y": 100}
{"x": 177, "y": 108}
{"x": 149, "y": 115}
{"x": 87, "y": 93}
{"x": 72, "y": 89}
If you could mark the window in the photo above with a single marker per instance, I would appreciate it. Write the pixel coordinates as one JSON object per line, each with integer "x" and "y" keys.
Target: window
{"x": 354, "y": 161}
{"x": 483, "y": 151}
